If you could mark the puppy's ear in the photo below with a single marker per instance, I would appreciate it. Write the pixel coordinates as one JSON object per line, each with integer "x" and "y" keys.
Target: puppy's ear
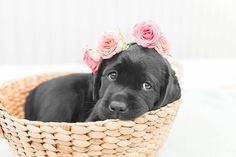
{"x": 97, "y": 81}
{"x": 171, "y": 91}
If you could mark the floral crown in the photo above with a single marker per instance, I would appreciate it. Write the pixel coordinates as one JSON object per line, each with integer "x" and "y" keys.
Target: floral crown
{"x": 146, "y": 34}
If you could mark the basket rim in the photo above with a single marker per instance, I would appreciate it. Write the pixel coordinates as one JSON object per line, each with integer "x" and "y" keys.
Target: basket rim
{"x": 3, "y": 111}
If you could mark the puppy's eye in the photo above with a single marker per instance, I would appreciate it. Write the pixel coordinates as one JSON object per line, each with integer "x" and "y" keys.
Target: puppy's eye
{"x": 147, "y": 86}
{"x": 112, "y": 76}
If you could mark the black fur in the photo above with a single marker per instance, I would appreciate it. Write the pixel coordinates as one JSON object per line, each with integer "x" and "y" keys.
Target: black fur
{"x": 88, "y": 97}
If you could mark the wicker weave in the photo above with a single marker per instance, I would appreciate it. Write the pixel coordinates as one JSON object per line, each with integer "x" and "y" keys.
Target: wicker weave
{"x": 142, "y": 137}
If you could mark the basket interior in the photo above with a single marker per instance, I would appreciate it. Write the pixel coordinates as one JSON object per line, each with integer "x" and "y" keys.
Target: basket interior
{"x": 13, "y": 93}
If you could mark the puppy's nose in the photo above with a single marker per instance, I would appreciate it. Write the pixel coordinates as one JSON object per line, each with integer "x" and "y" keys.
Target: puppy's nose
{"x": 116, "y": 106}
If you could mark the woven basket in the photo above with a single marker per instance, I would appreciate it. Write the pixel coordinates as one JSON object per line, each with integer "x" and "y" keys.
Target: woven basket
{"x": 142, "y": 137}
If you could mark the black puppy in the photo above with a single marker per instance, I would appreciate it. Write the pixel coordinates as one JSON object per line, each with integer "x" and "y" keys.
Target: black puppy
{"x": 126, "y": 86}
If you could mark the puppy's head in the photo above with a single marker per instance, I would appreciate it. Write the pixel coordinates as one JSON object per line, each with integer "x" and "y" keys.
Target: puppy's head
{"x": 133, "y": 82}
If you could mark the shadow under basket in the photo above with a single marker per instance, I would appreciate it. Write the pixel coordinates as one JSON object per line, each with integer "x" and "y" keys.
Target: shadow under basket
{"x": 142, "y": 137}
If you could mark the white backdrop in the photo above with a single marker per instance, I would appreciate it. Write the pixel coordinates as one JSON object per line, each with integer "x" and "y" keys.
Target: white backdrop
{"x": 55, "y": 31}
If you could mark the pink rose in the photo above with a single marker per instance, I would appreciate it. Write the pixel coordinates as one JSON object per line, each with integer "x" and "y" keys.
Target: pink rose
{"x": 109, "y": 45}
{"x": 147, "y": 34}
{"x": 163, "y": 46}
{"x": 93, "y": 59}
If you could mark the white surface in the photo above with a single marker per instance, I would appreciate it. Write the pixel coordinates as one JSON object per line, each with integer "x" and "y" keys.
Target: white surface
{"x": 205, "y": 125}
{"x": 55, "y": 31}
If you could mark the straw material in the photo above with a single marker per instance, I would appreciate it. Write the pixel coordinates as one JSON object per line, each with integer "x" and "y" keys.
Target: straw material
{"x": 142, "y": 137}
